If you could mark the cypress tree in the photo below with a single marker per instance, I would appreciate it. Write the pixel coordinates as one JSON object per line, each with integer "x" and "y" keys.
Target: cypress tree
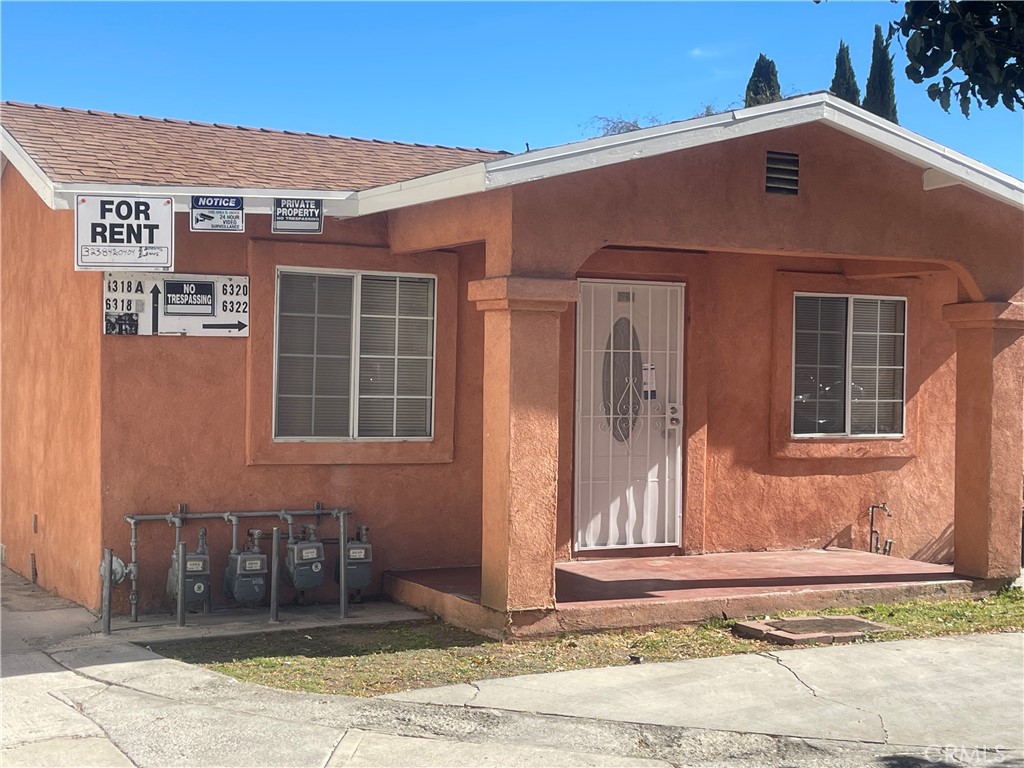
{"x": 763, "y": 86}
{"x": 880, "y": 92}
{"x": 844, "y": 82}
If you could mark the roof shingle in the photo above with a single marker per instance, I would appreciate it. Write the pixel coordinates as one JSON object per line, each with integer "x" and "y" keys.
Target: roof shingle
{"x": 73, "y": 145}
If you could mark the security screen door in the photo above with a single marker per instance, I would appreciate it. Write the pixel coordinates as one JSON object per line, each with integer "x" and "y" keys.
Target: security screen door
{"x": 628, "y": 414}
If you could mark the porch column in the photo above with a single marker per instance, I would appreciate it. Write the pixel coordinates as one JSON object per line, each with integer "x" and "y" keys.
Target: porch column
{"x": 520, "y": 451}
{"x": 989, "y": 437}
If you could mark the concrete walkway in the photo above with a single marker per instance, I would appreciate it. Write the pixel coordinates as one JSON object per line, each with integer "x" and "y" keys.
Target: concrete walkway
{"x": 73, "y": 698}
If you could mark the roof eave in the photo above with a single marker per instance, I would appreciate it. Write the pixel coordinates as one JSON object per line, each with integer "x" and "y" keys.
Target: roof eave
{"x": 940, "y": 165}
{"x": 928, "y": 155}
{"x": 337, "y": 203}
{"x": 935, "y": 160}
{"x": 467, "y": 180}
{"x": 28, "y": 168}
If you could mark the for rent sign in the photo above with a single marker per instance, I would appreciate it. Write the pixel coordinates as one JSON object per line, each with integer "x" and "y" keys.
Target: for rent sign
{"x": 114, "y": 233}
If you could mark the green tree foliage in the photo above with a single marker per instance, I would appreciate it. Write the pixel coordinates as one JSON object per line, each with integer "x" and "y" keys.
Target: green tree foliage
{"x": 880, "y": 92}
{"x": 763, "y": 86}
{"x": 844, "y": 82}
{"x": 983, "y": 41}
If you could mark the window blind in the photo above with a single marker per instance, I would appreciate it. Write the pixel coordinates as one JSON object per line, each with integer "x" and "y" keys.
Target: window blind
{"x": 391, "y": 363}
{"x": 848, "y": 365}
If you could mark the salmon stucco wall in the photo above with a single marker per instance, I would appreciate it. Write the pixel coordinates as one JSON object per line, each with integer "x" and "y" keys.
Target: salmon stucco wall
{"x": 50, "y": 325}
{"x": 746, "y": 491}
{"x": 176, "y": 418}
{"x": 862, "y": 223}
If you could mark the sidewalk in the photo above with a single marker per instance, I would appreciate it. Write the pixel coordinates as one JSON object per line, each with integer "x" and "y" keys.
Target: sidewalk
{"x": 73, "y": 698}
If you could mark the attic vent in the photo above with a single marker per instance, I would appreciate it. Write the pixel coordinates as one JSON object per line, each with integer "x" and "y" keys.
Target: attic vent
{"x": 782, "y": 173}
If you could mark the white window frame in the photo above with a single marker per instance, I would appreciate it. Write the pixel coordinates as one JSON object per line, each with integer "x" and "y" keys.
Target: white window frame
{"x": 848, "y": 404}
{"x": 356, "y": 276}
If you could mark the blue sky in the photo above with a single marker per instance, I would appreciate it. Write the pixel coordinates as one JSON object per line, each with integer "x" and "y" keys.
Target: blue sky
{"x": 493, "y": 75}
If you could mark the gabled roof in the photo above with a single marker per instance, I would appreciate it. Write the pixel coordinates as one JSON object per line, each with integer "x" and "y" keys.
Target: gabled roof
{"x": 940, "y": 165}
{"x": 64, "y": 152}
{"x": 75, "y": 147}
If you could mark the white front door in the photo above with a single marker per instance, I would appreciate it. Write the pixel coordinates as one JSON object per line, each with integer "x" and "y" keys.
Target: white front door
{"x": 628, "y": 490}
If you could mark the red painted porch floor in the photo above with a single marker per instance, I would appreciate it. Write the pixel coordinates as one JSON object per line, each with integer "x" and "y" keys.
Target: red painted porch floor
{"x": 732, "y": 574}
{"x": 593, "y": 594}
{"x": 694, "y": 577}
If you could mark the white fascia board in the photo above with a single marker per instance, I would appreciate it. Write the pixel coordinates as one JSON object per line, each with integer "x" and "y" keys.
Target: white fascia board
{"x": 28, "y": 168}
{"x": 339, "y": 204}
{"x": 650, "y": 142}
{"x": 592, "y": 153}
{"x": 466, "y": 180}
{"x": 925, "y": 153}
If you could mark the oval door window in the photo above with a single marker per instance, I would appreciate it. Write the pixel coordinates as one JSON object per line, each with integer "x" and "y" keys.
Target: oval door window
{"x": 620, "y": 384}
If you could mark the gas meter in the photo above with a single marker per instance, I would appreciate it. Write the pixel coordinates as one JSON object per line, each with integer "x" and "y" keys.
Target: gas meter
{"x": 359, "y": 560}
{"x": 245, "y": 579}
{"x": 304, "y": 561}
{"x": 197, "y": 573}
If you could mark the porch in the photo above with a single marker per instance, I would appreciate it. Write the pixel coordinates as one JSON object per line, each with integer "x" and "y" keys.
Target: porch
{"x": 664, "y": 591}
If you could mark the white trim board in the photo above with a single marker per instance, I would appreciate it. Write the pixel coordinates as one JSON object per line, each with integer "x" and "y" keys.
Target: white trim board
{"x": 936, "y": 161}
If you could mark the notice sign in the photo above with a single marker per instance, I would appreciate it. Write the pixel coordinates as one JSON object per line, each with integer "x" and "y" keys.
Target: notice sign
{"x": 296, "y": 214}
{"x": 145, "y": 304}
{"x": 216, "y": 214}
{"x": 124, "y": 233}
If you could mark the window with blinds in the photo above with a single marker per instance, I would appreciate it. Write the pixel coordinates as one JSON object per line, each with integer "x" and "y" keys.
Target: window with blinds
{"x": 355, "y": 356}
{"x": 848, "y": 366}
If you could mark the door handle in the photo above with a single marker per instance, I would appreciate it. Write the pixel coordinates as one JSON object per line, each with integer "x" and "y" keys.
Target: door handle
{"x": 674, "y": 421}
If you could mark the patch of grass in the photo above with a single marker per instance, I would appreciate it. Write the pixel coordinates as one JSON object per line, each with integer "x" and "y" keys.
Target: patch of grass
{"x": 370, "y": 661}
{"x": 1003, "y": 612}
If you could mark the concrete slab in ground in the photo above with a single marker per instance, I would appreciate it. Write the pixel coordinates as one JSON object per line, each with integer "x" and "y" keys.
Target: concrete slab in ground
{"x": 92, "y": 752}
{"x": 953, "y": 690}
{"x": 101, "y": 701}
{"x": 29, "y": 713}
{"x": 159, "y": 731}
{"x": 364, "y": 749}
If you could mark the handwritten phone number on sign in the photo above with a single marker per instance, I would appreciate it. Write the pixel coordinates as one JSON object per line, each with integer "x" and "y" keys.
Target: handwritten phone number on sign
{"x": 122, "y": 252}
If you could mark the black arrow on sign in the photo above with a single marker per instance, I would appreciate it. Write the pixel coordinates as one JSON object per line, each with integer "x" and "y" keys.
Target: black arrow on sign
{"x": 235, "y": 326}
{"x": 156, "y": 308}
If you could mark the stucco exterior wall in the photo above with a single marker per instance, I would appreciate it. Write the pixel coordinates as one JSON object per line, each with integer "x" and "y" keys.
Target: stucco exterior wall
{"x": 185, "y": 420}
{"x": 176, "y": 417}
{"x": 743, "y": 489}
{"x": 49, "y": 397}
{"x": 855, "y": 201}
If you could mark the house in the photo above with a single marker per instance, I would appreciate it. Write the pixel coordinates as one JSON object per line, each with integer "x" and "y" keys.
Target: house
{"x": 730, "y": 334}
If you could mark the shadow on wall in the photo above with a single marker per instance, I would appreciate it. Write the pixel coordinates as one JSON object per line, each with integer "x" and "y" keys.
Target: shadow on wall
{"x": 843, "y": 539}
{"x": 939, "y": 549}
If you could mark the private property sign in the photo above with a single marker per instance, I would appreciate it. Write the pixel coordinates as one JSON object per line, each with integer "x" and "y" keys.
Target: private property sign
{"x": 115, "y": 233}
{"x": 145, "y": 304}
{"x": 298, "y": 215}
